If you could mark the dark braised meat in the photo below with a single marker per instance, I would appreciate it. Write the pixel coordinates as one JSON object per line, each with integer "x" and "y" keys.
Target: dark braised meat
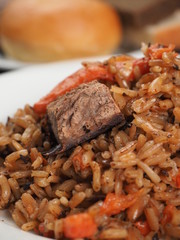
{"x": 82, "y": 114}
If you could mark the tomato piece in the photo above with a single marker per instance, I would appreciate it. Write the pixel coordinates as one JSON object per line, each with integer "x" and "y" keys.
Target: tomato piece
{"x": 41, "y": 230}
{"x": 143, "y": 227}
{"x": 176, "y": 179}
{"x": 156, "y": 51}
{"x": 127, "y": 65}
{"x": 49, "y": 234}
{"x": 36, "y": 230}
{"x": 167, "y": 214}
{"x": 143, "y": 65}
{"x": 77, "y": 161}
{"x": 80, "y": 225}
{"x": 114, "y": 204}
{"x": 83, "y": 75}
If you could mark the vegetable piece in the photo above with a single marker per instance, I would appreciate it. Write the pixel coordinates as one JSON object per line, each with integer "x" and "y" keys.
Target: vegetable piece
{"x": 124, "y": 63}
{"x": 142, "y": 64}
{"x": 41, "y": 230}
{"x": 126, "y": 66}
{"x": 168, "y": 214}
{"x": 176, "y": 179}
{"x": 79, "y": 225}
{"x": 114, "y": 204}
{"x": 83, "y": 75}
{"x": 156, "y": 51}
{"x": 143, "y": 227}
{"x": 77, "y": 160}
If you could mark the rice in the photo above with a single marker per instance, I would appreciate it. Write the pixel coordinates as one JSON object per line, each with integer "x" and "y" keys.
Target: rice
{"x": 137, "y": 165}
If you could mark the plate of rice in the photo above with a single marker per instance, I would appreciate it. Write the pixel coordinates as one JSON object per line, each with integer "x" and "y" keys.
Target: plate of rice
{"x": 123, "y": 183}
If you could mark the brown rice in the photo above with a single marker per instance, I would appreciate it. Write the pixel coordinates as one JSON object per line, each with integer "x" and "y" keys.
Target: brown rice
{"x": 40, "y": 192}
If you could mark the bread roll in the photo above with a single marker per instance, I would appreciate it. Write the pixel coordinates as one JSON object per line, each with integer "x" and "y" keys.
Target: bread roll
{"x": 165, "y": 32}
{"x": 49, "y": 30}
{"x": 140, "y": 13}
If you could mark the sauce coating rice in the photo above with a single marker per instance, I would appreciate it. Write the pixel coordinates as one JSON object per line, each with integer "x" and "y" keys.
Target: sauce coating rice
{"x": 124, "y": 184}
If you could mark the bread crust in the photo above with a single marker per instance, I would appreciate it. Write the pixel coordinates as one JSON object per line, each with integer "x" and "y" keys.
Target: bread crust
{"x": 43, "y": 30}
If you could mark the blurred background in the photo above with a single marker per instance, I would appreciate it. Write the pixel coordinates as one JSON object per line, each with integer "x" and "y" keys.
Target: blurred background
{"x": 36, "y": 31}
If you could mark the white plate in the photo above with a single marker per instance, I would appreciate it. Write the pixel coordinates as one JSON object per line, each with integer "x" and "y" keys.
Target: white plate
{"x": 13, "y": 64}
{"x": 8, "y": 63}
{"x": 23, "y": 86}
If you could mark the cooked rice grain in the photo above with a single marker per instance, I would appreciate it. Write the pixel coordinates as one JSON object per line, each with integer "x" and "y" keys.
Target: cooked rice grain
{"x": 143, "y": 155}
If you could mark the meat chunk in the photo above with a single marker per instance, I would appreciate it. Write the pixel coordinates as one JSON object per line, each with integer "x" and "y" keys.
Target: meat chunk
{"x": 82, "y": 114}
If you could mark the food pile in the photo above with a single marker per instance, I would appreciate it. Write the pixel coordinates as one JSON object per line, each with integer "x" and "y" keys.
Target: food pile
{"x": 98, "y": 157}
